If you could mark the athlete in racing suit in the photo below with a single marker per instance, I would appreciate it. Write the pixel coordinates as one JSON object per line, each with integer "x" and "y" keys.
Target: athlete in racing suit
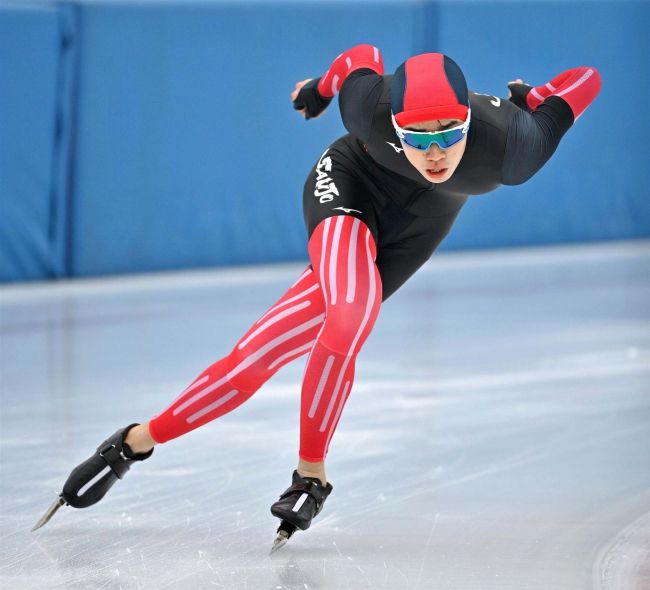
{"x": 375, "y": 208}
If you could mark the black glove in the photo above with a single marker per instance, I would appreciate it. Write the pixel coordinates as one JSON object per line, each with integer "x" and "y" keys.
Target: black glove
{"x": 311, "y": 100}
{"x": 519, "y": 92}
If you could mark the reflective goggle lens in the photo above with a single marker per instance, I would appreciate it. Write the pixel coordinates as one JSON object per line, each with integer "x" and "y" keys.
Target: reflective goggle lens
{"x": 424, "y": 140}
{"x": 443, "y": 139}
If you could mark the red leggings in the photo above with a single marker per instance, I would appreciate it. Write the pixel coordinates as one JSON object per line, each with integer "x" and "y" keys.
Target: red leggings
{"x": 329, "y": 312}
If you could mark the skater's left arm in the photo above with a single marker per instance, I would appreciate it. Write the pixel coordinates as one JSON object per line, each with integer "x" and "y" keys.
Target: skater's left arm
{"x": 578, "y": 87}
{"x": 546, "y": 113}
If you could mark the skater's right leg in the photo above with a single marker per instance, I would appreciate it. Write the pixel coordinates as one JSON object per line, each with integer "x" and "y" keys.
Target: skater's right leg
{"x": 140, "y": 439}
{"x": 285, "y": 332}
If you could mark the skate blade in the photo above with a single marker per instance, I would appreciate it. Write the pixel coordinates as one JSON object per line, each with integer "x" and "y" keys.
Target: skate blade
{"x": 51, "y": 511}
{"x": 280, "y": 541}
{"x": 285, "y": 531}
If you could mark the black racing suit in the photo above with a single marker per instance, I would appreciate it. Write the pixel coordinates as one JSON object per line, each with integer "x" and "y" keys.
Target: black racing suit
{"x": 366, "y": 174}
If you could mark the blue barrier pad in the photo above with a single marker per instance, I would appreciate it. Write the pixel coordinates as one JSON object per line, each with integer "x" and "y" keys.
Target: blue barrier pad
{"x": 170, "y": 96}
{"x": 590, "y": 189}
{"x": 139, "y": 156}
{"x": 31, "y": 210}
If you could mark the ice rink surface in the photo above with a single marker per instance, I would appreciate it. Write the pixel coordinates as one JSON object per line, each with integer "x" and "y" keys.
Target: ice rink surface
{"x": 498, "y": 436}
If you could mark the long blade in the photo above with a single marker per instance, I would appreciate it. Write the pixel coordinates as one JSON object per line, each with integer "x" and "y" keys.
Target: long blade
{"x": 285, "y": 530}
{"x": 50, "y": 513}
{"x": 280, "y": 541}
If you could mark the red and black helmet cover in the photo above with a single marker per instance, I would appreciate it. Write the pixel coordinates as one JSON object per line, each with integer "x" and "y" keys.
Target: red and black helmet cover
{"x": 427, "y": 87}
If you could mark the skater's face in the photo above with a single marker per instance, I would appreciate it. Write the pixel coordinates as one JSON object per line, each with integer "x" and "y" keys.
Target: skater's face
{"x": 435, "y": 164}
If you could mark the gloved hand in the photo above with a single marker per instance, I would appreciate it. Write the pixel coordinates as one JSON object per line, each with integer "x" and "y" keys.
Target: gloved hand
{"x": 518, "y": 93}
{"x": 307, "y": 100}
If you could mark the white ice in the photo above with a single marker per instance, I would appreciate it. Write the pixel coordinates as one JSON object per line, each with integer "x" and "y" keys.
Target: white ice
{"x": 497, "y": 438}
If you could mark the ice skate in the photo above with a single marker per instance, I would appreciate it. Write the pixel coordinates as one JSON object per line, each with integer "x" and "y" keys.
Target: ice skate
{"x": 297, "y": 506}
{"x": 90, "y": 480}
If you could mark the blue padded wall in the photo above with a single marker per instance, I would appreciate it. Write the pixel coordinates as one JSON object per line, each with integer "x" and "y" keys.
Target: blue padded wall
{"x": 36, "y": 59}
{"x": 189, "y": 152}
{"x": 155, "y": 135}
{"x": 596, "y": 186}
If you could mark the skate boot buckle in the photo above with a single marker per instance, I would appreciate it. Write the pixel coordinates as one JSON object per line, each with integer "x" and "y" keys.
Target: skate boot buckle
{"x": 115, "y": 458}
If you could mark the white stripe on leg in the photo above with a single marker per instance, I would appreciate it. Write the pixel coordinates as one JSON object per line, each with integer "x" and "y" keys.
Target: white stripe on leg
{"x": 287, "y": 355}
{"x": 251, "y": 359}
{"x": 274, "y": 320}
{"x": 321, "y": 385}
{"x": 352, "y": 262}
{"x": 334, "y": 258}
{"x": 287, "y": 301}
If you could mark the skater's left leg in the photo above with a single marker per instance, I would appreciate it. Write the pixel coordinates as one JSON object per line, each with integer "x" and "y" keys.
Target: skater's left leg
{"x": 343, "y": 251}
{"x": 315, "y": 469}
{"x": 355, "y": 278}
{"x": 394, "y": 265}
{"x": 341, "y": 260}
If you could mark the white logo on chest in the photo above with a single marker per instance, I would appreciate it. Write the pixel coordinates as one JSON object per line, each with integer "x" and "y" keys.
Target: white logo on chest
{"x": 496, "y": 101}
{"x": 397, "y": 149}
{"x": 325, "y": 188}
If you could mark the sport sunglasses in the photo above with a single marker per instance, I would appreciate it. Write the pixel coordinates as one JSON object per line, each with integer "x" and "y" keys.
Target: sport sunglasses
{"x": 422, "y": 140}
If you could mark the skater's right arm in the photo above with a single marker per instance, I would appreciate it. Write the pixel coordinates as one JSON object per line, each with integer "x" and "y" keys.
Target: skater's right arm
{"x": 311, "y": 97}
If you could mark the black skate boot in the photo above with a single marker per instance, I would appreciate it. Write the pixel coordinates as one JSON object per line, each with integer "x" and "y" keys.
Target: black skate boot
{"x": 298, "y": 505}
{"x": 90, "y": 480}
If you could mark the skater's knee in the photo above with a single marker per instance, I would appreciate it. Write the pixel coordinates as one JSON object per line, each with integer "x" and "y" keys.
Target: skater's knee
{"x": 348, "y": 323}
{"x": 245, "y": 373}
